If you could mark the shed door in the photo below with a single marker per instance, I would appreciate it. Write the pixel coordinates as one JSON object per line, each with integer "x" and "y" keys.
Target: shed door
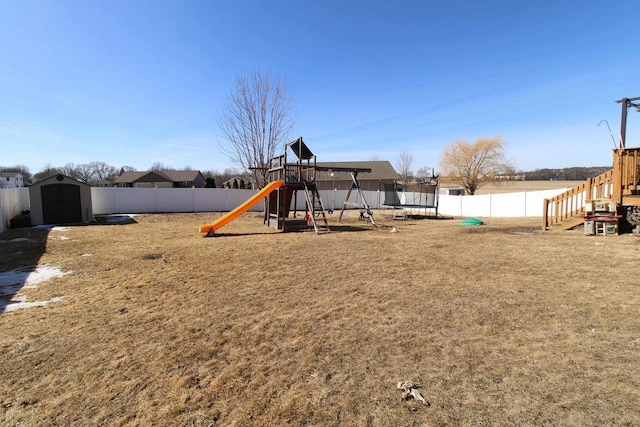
{"x": 61, "y": 203}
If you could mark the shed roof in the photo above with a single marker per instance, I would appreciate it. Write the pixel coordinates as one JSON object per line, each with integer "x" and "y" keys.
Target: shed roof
{"x": 58, "y": 178}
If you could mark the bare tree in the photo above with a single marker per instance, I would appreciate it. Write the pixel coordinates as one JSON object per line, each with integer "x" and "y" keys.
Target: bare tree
{"x": 103, "y": 171}
{"x": 47, "y": 172}
{"x": 85, "y": 173}
{"x": 70, "y": 170}
{"x": 82, "y": 172}
{"x": 125, "y": 168}
{"x": 405, "y": 166}
{"x": 425, "y": 172}
{"x": 474, "y": 164}
{"x": 255, "y": 121}
{"x": 159, "y": 166}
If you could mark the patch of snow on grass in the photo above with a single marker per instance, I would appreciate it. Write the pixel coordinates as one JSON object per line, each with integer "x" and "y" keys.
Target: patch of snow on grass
{"x": 22, "y": 303}
{"x": 13, "y": 280}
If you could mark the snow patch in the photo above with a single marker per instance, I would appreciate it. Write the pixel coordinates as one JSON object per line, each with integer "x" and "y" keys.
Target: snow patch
{"x": 13, "y": 280}
{"x": 22, "y": 303}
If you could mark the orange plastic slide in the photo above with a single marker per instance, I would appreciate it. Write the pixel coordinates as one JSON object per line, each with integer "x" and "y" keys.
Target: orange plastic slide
{"x": 230, "y": 216}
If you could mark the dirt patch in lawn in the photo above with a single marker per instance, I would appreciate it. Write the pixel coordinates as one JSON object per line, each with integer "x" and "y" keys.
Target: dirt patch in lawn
{"x": 157, "y": 325}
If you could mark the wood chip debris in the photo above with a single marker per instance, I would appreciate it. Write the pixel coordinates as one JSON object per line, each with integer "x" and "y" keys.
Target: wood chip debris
{"x": 409, "y": 390}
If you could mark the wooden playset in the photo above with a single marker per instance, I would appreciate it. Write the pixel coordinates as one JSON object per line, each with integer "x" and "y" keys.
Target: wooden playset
{"x": 288, "y": 180}
{"x": 300, "y": 176}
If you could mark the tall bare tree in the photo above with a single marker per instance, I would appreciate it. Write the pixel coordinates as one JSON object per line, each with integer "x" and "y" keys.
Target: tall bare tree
{"x": 159, "y": 166}
{"x": 46, "y": 172}
{"x": 126, "y": 168}
{"x": 474, "y": 164}
{"x": 85, "y": 172}
{"x": 424, "y": 173}
{"x": 405, "y": 166}
{"x": 255, "y": 121}
{"x": 71, "y": 170}
{"x": 103, "y": 171}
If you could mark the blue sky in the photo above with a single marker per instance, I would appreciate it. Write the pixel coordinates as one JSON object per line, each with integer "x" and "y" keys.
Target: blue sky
{"x": 137, "y": 82}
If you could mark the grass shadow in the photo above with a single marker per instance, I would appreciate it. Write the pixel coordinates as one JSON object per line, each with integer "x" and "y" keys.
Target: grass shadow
{"x": 215, "y": 235}
{"x": 352, "y": 228}
{"x": 332, "y": 229}
{"x": 20, "y": 253}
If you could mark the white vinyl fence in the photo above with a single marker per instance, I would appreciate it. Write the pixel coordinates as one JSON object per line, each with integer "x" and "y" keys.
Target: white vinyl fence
{"x": 116, "y": 200}
{"x": 12, "y": 202}
{"x": 522, "y": 204}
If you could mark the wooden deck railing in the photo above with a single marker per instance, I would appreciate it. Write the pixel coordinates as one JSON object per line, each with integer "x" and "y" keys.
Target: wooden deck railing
{"x": 571, "y": 203}
{"x": 622, "y": 180}
{"x": 626, "y": 165}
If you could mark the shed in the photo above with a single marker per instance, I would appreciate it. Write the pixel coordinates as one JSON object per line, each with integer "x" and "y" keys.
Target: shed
{"x": 60, "y": 200}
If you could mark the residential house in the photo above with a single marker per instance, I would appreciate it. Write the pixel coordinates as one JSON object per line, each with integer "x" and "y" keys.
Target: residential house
{"x": 11, "y": 180}
{"x": 161, "y": 179}
{"x": 381, "y": 172}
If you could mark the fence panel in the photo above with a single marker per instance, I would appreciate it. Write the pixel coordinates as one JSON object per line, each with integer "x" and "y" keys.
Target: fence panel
{"x": 237, "y": 197}
{"x": 174, "y": 199}
{"x": 535, "y": 199}
{"x": 135, "y": 200}
{"x": 210, "y": 199}
{"x": 510, "y": 205}
{"x": 103, "y": 200}
{"x": 477, "y": 206}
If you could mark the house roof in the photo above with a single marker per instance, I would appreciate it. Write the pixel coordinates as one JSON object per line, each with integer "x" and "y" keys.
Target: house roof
{"x": 157, "y": 176}
{"x": 10, "y": 174}
{"x": 380, "y": 170}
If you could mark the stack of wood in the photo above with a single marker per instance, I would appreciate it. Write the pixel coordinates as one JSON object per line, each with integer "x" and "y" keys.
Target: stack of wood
{"x": 633, "y": 215}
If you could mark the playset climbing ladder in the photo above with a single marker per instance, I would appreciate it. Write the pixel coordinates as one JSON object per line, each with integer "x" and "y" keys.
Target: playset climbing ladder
{"x": 316, "y": 208}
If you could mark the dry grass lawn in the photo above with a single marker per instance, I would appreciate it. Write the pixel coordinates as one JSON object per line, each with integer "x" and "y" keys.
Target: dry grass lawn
{"x": 161, "y": 326}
